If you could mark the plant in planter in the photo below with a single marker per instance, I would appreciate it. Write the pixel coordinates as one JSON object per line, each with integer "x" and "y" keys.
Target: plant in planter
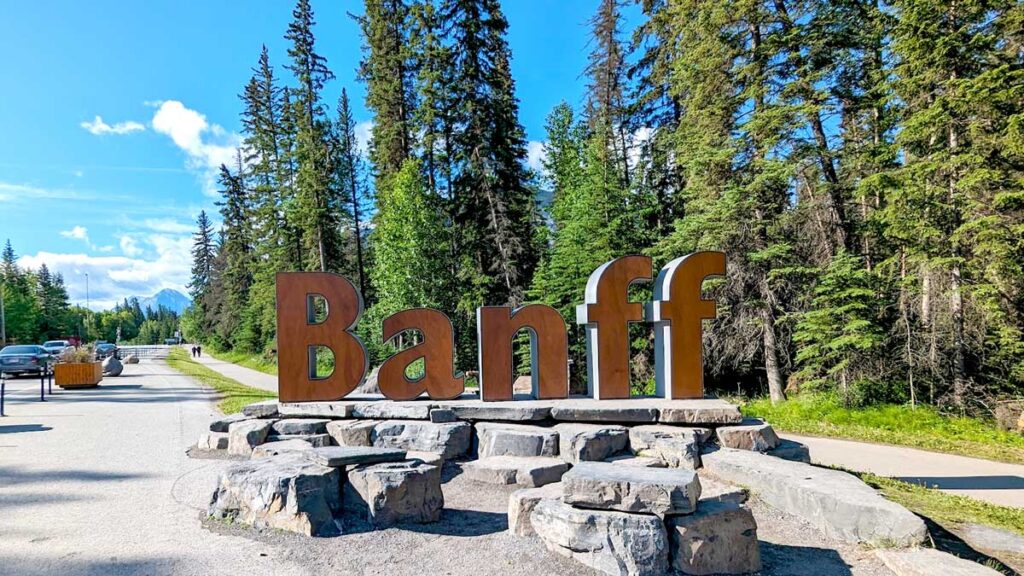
{"x": 77, "y": 368}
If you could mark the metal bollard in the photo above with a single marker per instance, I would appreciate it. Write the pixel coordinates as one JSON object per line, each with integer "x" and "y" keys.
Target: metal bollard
{"x": 42, "y": 389}
{"x": 3, "y": 390}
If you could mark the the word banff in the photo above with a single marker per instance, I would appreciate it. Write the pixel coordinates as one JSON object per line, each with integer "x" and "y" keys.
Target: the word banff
{"x": 676, "y": 314}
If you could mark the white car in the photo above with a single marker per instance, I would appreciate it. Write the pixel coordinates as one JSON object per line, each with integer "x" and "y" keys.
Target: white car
{"x": 55, "y": 347}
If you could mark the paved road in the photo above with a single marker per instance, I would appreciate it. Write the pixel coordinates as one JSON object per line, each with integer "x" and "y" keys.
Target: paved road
{"x": 994, "y": 482}
{"x": 246, "y": 376}
{"x": 97, "y": 482}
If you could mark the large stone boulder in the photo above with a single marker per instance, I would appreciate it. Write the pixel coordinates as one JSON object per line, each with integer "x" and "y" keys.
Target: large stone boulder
{"x": 277, "y": 447}
{"x": 340, "y": 456}
{"x": 605, "y": 486}
{"x": 451, "y": 439}
{"x": 522, "y": 502}
{"x": 390, "y": 409}
{"x": 213, "y": 441}
{"x": 519, "y": 470}
{"x": 837, "y": 503}
{"x": 718, "y": 491}
{"x": 286, "y": 492}
{"x": 221, "y": 425}
{"x": 510, "y": 411}
{"x": 701, "y": 412}
{"x": 245, "y": 435}
{"x": 264, "y": 409}
{"x": 637, "y": 461}
{"x": 293, "y": 426}
{"x": 501, "y": 439}
{"x": 131, "y": 359}
{"x": 614, "y": 543}
{"x": 719, "y": 538}
{"x": 590, "y": 442}
{"x": 352, "y": 432}
{"x": 677, "y": 446}
{"x": 931, "y": 562}
{"x": 791, "y": 450}
{"x": 315, "y": 440}
{"x": 112, "y": 366}
{"x": 395, "y": 492}
{"x": 752, "y": 434}
{"x": 590, "y": 410}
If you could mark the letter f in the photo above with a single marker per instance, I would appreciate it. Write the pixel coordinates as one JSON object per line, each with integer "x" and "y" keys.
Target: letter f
{"x": 677, "y": 313}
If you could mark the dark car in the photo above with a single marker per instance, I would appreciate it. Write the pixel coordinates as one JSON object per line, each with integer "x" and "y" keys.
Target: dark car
{"x": 105, "y": 350}
{"x": 23, "y": 359}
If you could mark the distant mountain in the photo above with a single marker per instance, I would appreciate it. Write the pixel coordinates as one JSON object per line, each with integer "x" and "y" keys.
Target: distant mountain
{"x": 168, "y": 298}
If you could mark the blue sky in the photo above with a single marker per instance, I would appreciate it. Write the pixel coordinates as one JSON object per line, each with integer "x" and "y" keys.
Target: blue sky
{"x": 114, "y": 114}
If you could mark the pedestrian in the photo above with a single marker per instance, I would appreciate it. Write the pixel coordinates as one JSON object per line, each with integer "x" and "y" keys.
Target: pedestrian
{"x": 193, "y": 351}
{"x": 199, "y": 350}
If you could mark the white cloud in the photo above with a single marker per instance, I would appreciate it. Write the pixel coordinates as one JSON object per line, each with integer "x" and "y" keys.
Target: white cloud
{"x": 129, "y": 247}
{"x": 364, "y": 131}
{"x": 100, "y": 128}
{"x": 536, "y": 154}
{"x": 114, "y": 278}
{"x": 205, "y": 145}
{"x": 167, "y": 225}
{"x": 9, "y": 191}
{"x": 78, "y": 233}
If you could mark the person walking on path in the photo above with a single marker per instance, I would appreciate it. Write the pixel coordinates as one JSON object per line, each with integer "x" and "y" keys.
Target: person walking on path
{"x": 199, "y": 351}
{"x": 193, "y": 351}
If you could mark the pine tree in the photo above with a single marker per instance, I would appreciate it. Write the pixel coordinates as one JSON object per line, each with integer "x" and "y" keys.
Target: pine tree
{"x": 202, "y": 257}
{"x": 349, "y": 166}
{"x": 317, "y": 206}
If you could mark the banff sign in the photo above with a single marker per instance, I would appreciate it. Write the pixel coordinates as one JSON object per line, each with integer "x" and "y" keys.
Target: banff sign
{"x": 676, "y": 314}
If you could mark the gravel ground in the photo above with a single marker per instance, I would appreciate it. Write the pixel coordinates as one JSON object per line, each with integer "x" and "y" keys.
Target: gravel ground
{"x": 471, "y": 538}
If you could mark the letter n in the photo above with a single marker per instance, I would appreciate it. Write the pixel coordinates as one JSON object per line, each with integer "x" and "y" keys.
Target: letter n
{"x": 677, "y": 313}
{"x": 549, "y": 350}
{"x": 299, "y": 334}
{"x": 437, "y": 349}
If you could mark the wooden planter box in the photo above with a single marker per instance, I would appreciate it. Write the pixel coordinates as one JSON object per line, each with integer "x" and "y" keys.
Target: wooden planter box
{"x": 85, "y": 375}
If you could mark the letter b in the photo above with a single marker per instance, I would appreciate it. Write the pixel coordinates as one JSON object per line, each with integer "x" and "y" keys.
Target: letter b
{"x": 299, "y": 334}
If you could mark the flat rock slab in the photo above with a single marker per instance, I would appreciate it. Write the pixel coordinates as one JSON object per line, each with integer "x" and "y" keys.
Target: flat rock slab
{"x": 290, "y": 426}
{"x": 521, "y": 471}
{"x": 522, "y": 502}
{"x": 604, "y": 486}
{"x": 286, "y": 492}
{"x": 994, "y": 539}
{"x": 636, "y": 461}
{"x": 440, "y": 415}
{"x": 504, "y": 439}
{"x": 265, "y": 409}
{"x": 513, "y": 411}
{"x": 719, "y": 538}
{"x": 213, "y": 441}
{"x": 315, "y": 440}
{"x": 432, "y": 458}
{"x": 222, "y": 424}
{"x": 269, "y": 449}
{"x": 388, "y": 409}
{"x": 837, "y": 503}
{"x": 751, "y": 434}
{"x": 450, "y": 440}
{"x": 245, "y": 435}
{"x": 590, "y": 442}
{"x": 677, "y": 446}
{"x": 395, "y": 492}
{"x": 337, "y": 456}
{"x": 701, "y": 412}
{"x": 352, "y": 432}
{"x": 614, "y": 543}
{"x": 590, "y": 410}
{"x": 315, "y": 409}
{"x": 931, "y": 562}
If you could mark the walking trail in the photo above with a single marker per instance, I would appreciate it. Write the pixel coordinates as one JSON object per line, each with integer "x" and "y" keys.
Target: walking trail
{"x": 995, "y": 482}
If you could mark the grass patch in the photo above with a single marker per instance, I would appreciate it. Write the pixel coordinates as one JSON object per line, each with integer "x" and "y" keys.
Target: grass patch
{"x": 236, "y": 395}
{"x": 946, "y": 508}
{"x": 254, "y": 361}
{"x": 921, "y": 427}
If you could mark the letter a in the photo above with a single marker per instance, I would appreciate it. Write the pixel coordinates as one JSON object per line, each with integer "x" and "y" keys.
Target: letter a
{"x": 549, "y": 350}
{"x": 437, "y": 350}
{"x": 607, "y": 313}
{"x": 299, "y": 334}
{"x": 677, "y": 313}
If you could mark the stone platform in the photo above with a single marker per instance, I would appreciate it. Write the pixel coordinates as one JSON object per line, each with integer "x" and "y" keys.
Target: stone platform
{"x": 469, "y": 407}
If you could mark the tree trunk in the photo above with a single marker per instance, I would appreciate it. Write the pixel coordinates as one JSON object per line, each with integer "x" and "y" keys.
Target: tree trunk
{"x": 776, "y": 387}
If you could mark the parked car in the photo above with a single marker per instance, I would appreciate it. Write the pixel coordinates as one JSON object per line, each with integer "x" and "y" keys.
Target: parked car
{"x": 105, "y": 349}
{"x": 23, "y": 359}
{"x": 55, "y": 347}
